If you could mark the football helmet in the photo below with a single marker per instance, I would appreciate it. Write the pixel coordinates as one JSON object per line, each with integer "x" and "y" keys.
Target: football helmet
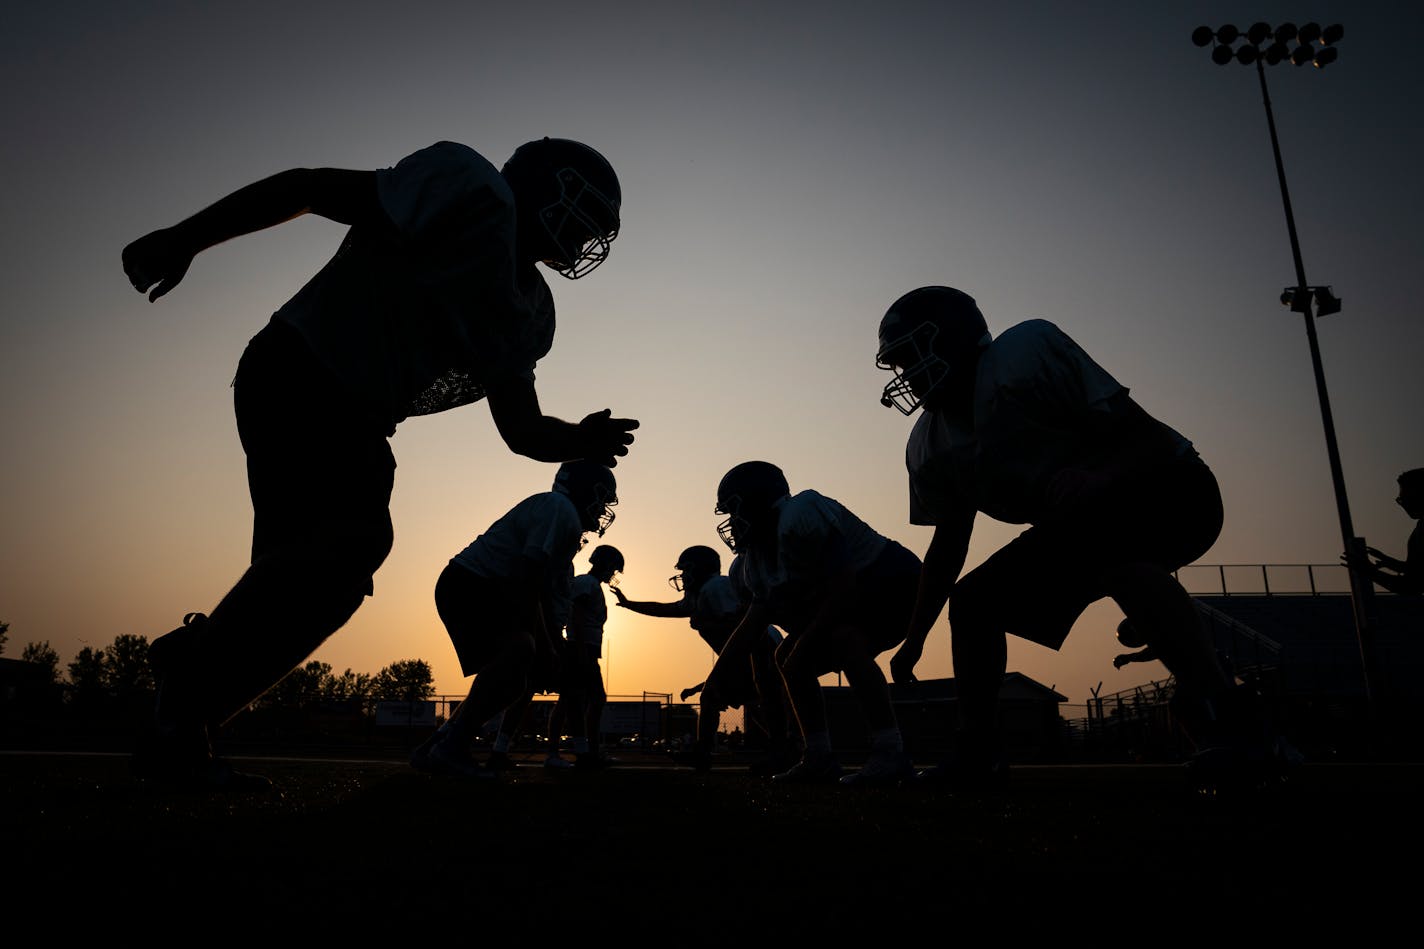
{"x": 606, "y": 557}
{"x": 697, "y": 565}
{"x": 746, "y": 495}
{"x": 927, "y": 336}
{"x": 592, "y": 489}
{"x": 569, "y": 194}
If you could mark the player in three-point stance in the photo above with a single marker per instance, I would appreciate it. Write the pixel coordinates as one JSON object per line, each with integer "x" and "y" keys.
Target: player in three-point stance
{"x": 1028, "y": 429}
{"x": 433, "y": 300}
{"x": 842, "y": 593}
{"x": 712, "y": 608}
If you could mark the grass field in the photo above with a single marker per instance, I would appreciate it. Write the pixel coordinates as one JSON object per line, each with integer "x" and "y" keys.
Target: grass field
{"x": 666, "y": 853}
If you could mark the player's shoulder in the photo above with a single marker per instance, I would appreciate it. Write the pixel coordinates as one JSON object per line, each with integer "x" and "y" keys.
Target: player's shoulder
{"x": 812, "y": 500}
{"x": 810, "y": 510}
{"x": 1029, "y": 351}
{"x": 1031, "y": 334}
{"x": 546, "y": 505}
{"x": 454, "y": 154}
{"x": 451, "y": 168}
{"x": 806, "y": 498}
{"x": 716, "y": 588}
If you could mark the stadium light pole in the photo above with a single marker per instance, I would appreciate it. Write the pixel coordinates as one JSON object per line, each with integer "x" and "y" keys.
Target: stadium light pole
{"x": 1316, "y": 46}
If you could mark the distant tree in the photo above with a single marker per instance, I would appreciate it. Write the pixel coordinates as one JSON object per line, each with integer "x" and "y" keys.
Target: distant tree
{"x": 408, "y": 680}
{"x": 42, "y": 655}
{"x": 300, "y": 686}
{"x": 4, "y": 635}
{"x": 126, "y": 669}
{"x": 347, "y": 687}
{"x": 87, "y": 675}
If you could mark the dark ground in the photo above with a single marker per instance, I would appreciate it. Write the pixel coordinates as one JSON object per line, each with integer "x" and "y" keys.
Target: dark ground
{"x": 668, "y": 854}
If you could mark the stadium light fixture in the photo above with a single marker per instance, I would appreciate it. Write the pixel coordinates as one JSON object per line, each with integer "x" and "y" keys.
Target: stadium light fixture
{"x": 1314, "y": 45}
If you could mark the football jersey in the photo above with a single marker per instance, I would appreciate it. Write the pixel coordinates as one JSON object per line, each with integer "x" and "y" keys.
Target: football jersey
{"x": 1032, "y": 385}
{"x": 417, "y": 314}
{"x": 817, "y": 539}
{"x": 545, "y": 526}
{"x": 588, "y": 611}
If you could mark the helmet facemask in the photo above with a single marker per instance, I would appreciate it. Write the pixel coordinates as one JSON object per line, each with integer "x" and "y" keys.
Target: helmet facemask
{"x": 735, "y": 530}
{"x": 600, "y": 510}
{"x": 918, "y": 370}
{"x": 581, "y": 224}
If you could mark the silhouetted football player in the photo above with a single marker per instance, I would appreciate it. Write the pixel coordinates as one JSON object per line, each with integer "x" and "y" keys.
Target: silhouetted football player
{"x": 712, "y": 607}
{"x": 1027, "y": 428}
{"x": 842, "y": 593}
{"x": 432, "y": 301}
{"x": 496, "y": 596}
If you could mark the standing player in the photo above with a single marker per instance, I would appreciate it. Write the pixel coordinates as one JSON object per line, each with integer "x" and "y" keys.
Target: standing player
{"x": 842, "y": 592}
{"x": 713, "y": 609}
{"x": 582, "y": 695}
{"x": 1407, "y": 575}
{"x": 1028, "y": 429}
{"x": 432, "y": 301}
{"x": 495, "y": 598}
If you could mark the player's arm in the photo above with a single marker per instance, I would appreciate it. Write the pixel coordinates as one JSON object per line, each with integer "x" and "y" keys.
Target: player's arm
{"x": 753, "y": 624}
{"x": 1143, "y": 655}
{"x": 156, "y": 262}
{"x": 681, "y": 609}
{"x": 527, "y": 431}
{"x": 942, "y": 563}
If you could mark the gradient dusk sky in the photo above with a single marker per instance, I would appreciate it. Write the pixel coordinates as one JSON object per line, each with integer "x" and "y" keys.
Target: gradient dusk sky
{"x": 788, "y": 170}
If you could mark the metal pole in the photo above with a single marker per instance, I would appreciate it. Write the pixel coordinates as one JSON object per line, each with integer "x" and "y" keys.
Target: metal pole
{"x": 1337, "y": 475}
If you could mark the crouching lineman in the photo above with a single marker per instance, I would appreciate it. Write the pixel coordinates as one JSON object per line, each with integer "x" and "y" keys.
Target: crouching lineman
{"x": 712, "y": 608}
{"x": 1028, "y": 429}
{"x": 842, "y": 592}
{"x": 494, "y": 598}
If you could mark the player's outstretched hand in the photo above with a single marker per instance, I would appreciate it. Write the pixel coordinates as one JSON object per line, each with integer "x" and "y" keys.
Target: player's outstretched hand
{"x": 157, "y": 262}
{"x": 1120, "y": 661}
{"x": 902, "y": 664}
{"x": 606, "y": 436}
{"x": 618, "y": 595}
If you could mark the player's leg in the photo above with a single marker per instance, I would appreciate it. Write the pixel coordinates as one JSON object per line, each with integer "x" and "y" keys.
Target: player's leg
{"x": 492, "y": 639}
{"x": 510, "y": 722}
{"x": 801, "y": 659}
{"x": 856, "y": 657}
{"x": 709, "y": 718}
{"x": 771, "y": 708}
{"x": 596, "y": 697}
{"x": 320, "y": 478}
{"x": 979, "y": 648}
{"x": 565, "y": 711}
{"x": 873, "y": 623}
{"x": 1169, "y": 519}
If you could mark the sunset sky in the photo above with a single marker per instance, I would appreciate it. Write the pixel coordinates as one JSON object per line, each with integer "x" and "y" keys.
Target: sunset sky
{"x": 788, "y": 170}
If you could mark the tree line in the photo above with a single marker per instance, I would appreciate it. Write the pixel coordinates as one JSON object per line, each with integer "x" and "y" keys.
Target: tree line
{"x": 120, "y": 672}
